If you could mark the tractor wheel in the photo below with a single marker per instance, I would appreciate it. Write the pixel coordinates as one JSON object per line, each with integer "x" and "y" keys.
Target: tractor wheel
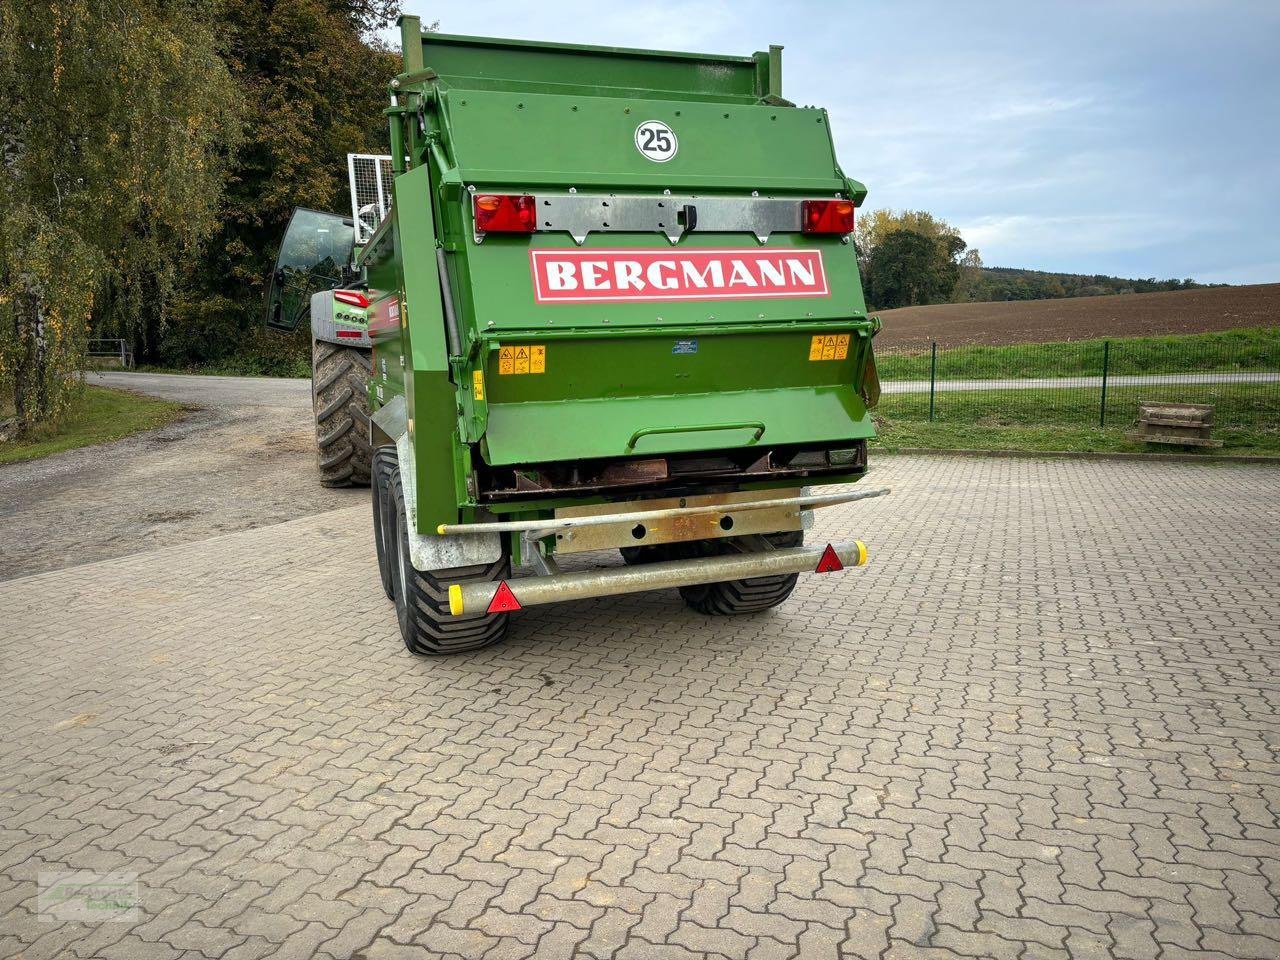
{"x": 422, "y": 599}
{"x": 385, "y": 460}
{"x": 743, "y": 596}
{"x": 340, "y": 399}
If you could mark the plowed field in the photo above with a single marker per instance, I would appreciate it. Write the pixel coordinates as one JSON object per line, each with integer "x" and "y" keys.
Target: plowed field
{"x": 1082, "y": 318}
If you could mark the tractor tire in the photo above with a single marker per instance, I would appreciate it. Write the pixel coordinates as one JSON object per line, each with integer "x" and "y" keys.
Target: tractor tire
{"x": 385, "y": 460}
{"x": 422, "y": 599}
{"x": 733, "y": 597}
{"x": 340, "y": 400}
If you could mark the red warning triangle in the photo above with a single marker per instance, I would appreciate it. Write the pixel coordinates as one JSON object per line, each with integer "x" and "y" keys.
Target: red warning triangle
{"x": 829, "y": 562}
{"x": 504, "y": 601}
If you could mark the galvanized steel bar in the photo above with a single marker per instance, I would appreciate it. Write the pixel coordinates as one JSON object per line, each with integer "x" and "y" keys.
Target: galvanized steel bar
{"x": 639, "y": 516}
{"x": 473, "y": 598}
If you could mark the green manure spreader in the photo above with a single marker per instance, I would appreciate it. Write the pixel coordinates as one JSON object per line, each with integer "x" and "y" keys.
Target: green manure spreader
{"x": 595, "y": 299}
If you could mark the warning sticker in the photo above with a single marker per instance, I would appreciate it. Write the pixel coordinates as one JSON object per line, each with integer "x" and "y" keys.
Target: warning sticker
{"x": 829, "y": 346}
{"x": 523, "y": 359}
{"x": 477, "y": 384}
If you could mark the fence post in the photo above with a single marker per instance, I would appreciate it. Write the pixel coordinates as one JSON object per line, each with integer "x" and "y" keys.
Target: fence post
{"x": 1106, "y": 362}
{"x": 933, "y": 377}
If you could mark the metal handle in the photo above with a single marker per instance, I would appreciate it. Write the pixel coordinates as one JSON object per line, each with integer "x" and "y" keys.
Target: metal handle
{"x": 755, "y": 425}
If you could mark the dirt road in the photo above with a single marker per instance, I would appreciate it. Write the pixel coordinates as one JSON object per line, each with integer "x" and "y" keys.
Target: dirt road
{"x": 245, "y": 458}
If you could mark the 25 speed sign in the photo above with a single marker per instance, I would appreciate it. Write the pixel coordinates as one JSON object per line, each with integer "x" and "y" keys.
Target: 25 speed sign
{"x": 657, "y": 141}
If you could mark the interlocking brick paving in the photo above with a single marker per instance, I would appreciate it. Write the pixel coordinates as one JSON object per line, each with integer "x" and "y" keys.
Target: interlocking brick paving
{"x": 1042, "y": 723}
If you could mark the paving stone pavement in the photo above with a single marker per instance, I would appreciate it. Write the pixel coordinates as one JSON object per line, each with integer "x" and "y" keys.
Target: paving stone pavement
{"x": 1042, "y": 723}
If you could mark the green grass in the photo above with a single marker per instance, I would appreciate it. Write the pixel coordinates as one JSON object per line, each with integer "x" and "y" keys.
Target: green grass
{"x": 906, "y": 434}
{"x": 1067, "y": 419}
{"x": 1251, "y": 349}
{"x": 98, "y": 415}
{"x": 1251, "y": 405}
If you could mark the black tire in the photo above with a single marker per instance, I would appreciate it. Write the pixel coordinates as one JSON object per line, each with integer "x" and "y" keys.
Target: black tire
{"x": 742, "y": 596}
{"x": 340, "y": 400}
{"x": 422, "y": 599}
{"x": 385, "y": 460}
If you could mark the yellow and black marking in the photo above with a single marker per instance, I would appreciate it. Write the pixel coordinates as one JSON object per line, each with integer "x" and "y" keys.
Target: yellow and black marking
{"x": 477, "y": 384}
{"x": 829, "y": 346}
{"x": 528, "y": 358}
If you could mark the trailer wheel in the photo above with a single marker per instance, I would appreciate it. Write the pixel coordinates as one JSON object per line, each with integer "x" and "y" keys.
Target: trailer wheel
{"x": 422, "y": 599}
{"x": 385, "y": 460}
{"x": 634, "y": 556}
{"x": 340, "y": 400}
{"x": 743, "y": 596}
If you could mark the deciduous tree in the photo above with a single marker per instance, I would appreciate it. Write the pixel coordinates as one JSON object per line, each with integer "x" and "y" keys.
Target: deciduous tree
{"x": 314, "y": 78}
{"x": 117, "y": 118}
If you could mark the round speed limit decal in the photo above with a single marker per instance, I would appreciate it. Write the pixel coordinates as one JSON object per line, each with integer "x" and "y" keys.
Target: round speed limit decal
{"x": 656, "y": 141}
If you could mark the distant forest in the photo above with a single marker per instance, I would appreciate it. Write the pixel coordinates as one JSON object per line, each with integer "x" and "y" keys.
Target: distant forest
{"x": 1009, "y": 283}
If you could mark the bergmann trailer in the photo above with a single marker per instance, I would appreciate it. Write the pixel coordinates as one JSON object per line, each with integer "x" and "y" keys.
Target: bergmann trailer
{"x": 595, "y": 299}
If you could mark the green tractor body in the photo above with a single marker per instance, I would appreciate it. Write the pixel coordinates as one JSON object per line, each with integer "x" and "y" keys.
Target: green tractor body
{"x": 608, "y": 283}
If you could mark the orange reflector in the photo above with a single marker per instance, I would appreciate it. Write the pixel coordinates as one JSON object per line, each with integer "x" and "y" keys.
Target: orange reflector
{"x": 828, "y": 562}
{"x": 504, "y": 601}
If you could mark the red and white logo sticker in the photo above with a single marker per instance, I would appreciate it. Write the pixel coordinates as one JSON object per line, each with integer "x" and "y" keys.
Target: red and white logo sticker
{"x": 596, "y": 276}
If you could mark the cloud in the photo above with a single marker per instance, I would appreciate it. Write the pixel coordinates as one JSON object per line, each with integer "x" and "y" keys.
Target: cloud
{"x": 1111, "y": 138}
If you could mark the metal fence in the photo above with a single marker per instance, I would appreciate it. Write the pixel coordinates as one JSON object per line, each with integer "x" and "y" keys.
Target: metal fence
{"x": 1095, "y": 383}
{"x": 111, "y": 353}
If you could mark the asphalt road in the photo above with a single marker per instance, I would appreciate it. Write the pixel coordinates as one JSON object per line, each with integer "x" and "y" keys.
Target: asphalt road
{"x": 1065, "y": 383}
{"x": 244, "y": 458}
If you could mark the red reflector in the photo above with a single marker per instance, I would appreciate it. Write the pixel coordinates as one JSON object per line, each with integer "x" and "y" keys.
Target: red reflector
{"x": 353, "y": 297}
{"x": 505, "y": 213}
{"x": 829, "y": 562}
{"x": 504, "y": 601}
{"x": 349, "y": 334}
{"x": 827, "y": 216}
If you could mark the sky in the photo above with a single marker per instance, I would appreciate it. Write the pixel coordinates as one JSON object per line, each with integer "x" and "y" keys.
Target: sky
{"x": 1137, "y": 138}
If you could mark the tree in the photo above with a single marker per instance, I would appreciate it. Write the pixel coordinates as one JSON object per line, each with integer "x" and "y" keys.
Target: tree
{"x": 315, "y": 84}
{"x": 971, "y": 284}
{"x": 872, "y": 227}
{"x": 943, "y": 270}
{"x": 118, "y": 117}
{"x": 908, "y": 269}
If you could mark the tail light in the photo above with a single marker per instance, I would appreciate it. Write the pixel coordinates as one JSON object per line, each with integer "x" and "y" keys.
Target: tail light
{"x": 352, "y": 298}
{"x": 827, "y": 216}
{"x": 505, "y": 213}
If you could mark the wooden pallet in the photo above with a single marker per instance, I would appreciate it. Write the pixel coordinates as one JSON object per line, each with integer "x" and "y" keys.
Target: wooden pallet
{"x": 1183, "y": 424}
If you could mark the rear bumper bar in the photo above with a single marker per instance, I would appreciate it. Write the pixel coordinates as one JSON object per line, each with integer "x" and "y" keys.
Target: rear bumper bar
{"x": 550, "y": 525}
{"x": 472, "y": 598}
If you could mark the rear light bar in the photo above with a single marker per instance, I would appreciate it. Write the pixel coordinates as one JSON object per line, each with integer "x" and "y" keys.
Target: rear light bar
{"x": 352, "y": 298}
{"x": 826, "y": 216}
{"x": 505, "y": 213}
{"x": 579, "y": 214}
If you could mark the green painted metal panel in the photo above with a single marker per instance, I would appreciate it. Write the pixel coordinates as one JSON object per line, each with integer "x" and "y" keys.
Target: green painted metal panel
{"x": 534, "y": 140}
{"x": 435, "y": 425}
{"x": 596, "y": 393}
{"x": 570, "y": 430}
{"x": 500, "y": 285}
{"x": 416, "y": 251}
{"x": 626, "y": 365}
{"x": 472, "y": 61}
